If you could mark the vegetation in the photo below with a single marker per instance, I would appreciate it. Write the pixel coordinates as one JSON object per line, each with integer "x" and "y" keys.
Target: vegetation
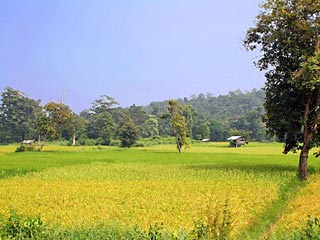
{"x": 206, "y": 116}
{"x": 18, "y": 116}
{"x": 178, "y": 124}
{"x": 287, "y": 33}
{"x": 150, "y": 192}
{"x": 128, "y": 132}
{"x": 211, "y": 189}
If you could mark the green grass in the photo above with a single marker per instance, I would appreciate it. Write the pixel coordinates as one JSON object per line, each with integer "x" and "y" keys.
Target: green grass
{"x": 258, "y": 179}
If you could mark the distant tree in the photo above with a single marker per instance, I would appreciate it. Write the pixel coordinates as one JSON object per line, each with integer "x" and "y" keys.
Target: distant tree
{"x": 203, "y": 131}
{"x": 104, "y": 103}
{"x": 102, "y": 127}
{"x": 287, "y": 34}
{"x": 159, "y": 109}
{"x": 251, "y": 123}
{"x": 178, "y": 124}
{"x": 188, "y": 113}
{"x": 18, "y": 116}
{"x": 86, "y": 114}
{"x": 76, "y": 125}
{"x": 150, "y": 127}
{"x": 127, "y": 132}
{"x": 45, "y": 128}
{"x": 138, "y": 116}
{"x": 219, "y": 131}
{"x": 53, "y": 119}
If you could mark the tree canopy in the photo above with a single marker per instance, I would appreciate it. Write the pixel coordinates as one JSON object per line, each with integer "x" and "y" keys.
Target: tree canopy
{"x": 178, "y": 123}
{"x": 18, "y": 116}
{"x": 287, "y": 34}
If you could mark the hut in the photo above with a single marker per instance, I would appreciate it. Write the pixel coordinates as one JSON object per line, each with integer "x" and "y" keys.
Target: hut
{"x": 236, "y": 141}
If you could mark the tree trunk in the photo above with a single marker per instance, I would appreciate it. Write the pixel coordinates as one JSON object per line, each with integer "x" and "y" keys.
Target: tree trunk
{"x": 178, "y": 144}
{"x": 44, "y": 140}
{"x": 303, "y": 162}
{"x": 177, "y": 139}
{"x": 308, "y": 131}
{"x": 74, "y": 137}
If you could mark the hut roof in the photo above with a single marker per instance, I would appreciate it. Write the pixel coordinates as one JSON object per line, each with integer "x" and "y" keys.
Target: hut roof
{"x": 232, "y": 138}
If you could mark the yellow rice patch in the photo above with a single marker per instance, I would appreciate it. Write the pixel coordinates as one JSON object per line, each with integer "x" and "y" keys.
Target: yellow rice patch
{"x": 306, "y": 203}
{"x": 176, "y": 204}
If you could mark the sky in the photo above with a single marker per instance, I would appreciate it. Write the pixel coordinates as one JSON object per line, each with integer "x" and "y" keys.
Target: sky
{"x": 136, "y": 51}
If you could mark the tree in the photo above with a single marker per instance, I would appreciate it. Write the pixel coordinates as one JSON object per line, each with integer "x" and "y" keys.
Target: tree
{"x": 138, "y": 116}
{"x": 53, "y": 119}
{"x": 76, "y": 124}
{"x": 203, "y": 131}
{"x": 101, "y": 126}
{"x": 104, "y": 103}
{"x": 150, "y": 127}
{"x": 287, "y": 33}
{"x": 18, "y": 116}
{"x": 128, "y": 132}
{"x": 178, "y": 124}
{"x": 188, "y": 114}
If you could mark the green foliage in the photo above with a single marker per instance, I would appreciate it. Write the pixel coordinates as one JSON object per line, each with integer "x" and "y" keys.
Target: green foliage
{"x": 59, "y": 116}
{"x": 178, "y": 123}
{"x": 310, "y": 232}
{"x": 220, "y": 113}
{"x": 287, "y": 33}
{"x": 54, "y": 118}
{"x": 127, "y": 132}
{"x": 18, "y": 116}
{"x": 235, "y": 110}
{"x": 19, "y": 228}
{"x": 103, "y": 104}
{"x": 100, "y": 123}
{"x": 215, "y": 225}
{"x": 25, "y": 148}
{"x": 203, "y": 131}
{"x": 101, "y": 126}
{"x": 149, "y": 128}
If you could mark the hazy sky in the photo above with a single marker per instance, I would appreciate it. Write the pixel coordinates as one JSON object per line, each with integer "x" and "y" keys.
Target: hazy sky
{"x": 136, "y": 51}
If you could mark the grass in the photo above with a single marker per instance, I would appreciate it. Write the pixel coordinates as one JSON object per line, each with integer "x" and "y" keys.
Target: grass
{"x": 82, "y": 187}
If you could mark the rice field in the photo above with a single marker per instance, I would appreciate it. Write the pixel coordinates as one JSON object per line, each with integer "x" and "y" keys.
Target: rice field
{"x": 81, "y": 187}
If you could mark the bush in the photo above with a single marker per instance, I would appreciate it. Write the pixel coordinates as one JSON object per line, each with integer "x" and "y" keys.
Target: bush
{"x": 310, "y": 232}
{"x": 17, "y": 227}
{"x": 215, "y": 225}
{"x": 25, "y": 148}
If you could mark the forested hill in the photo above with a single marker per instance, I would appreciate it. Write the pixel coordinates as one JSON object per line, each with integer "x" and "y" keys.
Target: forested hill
{"x": 207, "y": 117}
{"x": 217, "y": 117}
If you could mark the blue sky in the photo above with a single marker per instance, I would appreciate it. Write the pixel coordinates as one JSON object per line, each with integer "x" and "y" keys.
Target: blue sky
{"x": 136, "y": 51}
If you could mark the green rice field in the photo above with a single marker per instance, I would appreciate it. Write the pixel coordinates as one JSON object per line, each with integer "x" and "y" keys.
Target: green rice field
{"x": 74, "y": 188}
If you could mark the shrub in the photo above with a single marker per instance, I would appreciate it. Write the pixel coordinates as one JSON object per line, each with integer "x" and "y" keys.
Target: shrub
{"x": 310, "y": 232}
{"x": 215, "y": 225}
{"x": 25, "y": 148}
{"x": 17, "y": 227}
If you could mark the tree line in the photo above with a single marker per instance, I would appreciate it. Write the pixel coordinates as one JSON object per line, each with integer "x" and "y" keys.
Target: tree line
{"x": 105, "y": 123}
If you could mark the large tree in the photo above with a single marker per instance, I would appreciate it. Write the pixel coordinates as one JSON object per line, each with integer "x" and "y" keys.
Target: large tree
{"x": 128, "y": 132}
{"x": 18, "y": 116}
{"x": 178, "y": 123}
{"x": 287, "y": 33}
{"x": 101, "y": 125}
{"x": 54, "y": 118}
